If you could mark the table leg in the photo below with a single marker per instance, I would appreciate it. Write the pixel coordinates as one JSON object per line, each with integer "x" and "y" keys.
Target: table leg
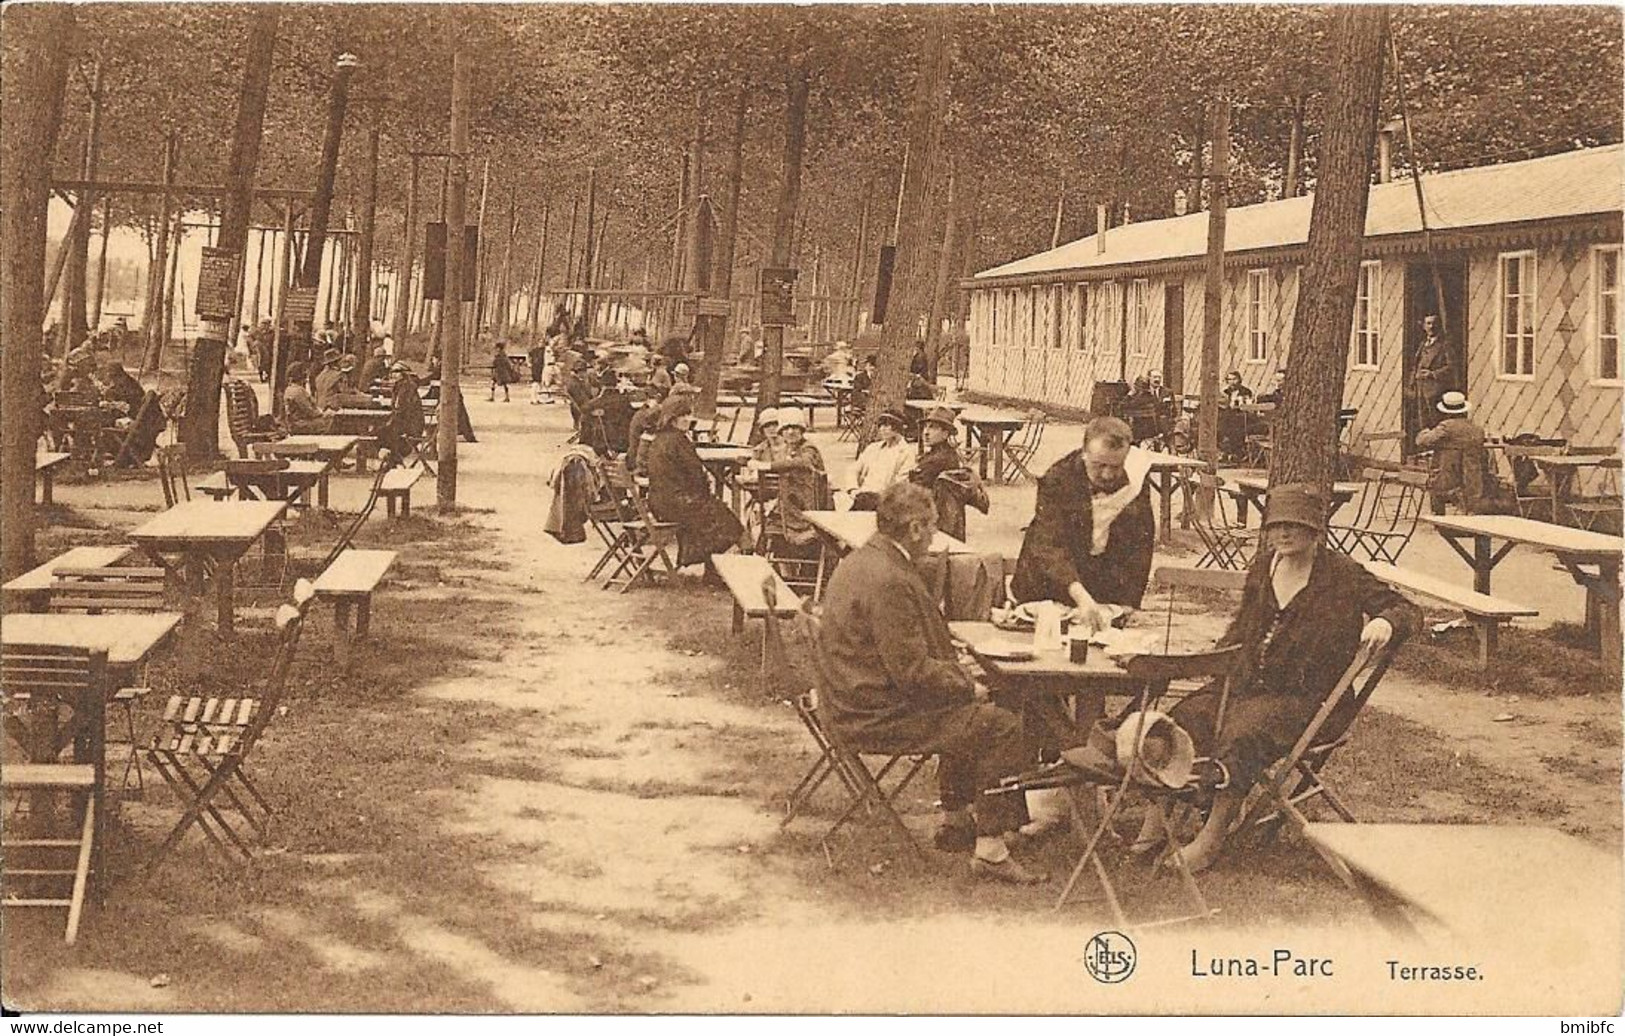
{"x": 321, "y": 492}
{"x": 1482, "y": 564}
{"x": 1188, "y": 502}
{"x": 1165, "y": 491}
{"x": 45, "y": 487}
{"x": 997, "y": 445}
{"x": 225, "y": 574}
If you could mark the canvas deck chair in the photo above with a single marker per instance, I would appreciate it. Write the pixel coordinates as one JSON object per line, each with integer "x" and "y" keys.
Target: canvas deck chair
{"x": 203, "y": 749}
{"x": 870, "y": 792}
{"x": 46, "y": 868}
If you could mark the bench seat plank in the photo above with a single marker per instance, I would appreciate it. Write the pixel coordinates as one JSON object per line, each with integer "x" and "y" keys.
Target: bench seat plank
{"x": 399, "y": 480}
{"x": 744, "y": 575}
{"x": 354, "y": 573}
{"x": 1465, "y": 598}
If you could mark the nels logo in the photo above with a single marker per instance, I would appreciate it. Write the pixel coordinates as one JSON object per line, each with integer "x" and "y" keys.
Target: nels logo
{"x": 1109, "y": 957}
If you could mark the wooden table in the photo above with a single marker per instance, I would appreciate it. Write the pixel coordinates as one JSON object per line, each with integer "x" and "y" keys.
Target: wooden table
{"x": 848, "y": 530}
{"x": 722, "y": 462}
{"x": 45, "y": 465}
{"x": 208, "y": 536}
{"x": 1547, "y": 890}
{"x": 128, "y": 639}
{"x": 286, "y": 484}
{"x": 1167, "y": 474}
{"x": 330, "y": 449}
{"x": 1252, "y": 489}
{"x": 31, "y": 591}
{"x": 1573, "y": 547}
{"x": 1560, "y": 472}
{"x": 992, "y": 431}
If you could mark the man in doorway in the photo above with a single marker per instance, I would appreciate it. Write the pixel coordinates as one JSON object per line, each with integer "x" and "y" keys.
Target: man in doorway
{"x": 1435, "y": 372}
{"x": 895, "y": 685}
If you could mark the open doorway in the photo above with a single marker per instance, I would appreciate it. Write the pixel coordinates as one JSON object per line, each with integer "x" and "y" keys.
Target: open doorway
{"x": 1420, "y": 300}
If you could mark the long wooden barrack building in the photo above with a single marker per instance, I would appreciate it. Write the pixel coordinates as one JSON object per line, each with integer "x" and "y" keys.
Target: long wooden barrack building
{"x": 1527, "y": 256}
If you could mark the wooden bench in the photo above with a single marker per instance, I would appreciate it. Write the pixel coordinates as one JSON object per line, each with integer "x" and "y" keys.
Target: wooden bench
{"x": 745, "y": 575}
{"x": 31, "y": 591}
{"x": 1486, "y": 613}
{"x": 215, "y": 486}
{"x": 45, "y": 465}
{"x": 397, "y": 487}
{"x": 351, "y": 580}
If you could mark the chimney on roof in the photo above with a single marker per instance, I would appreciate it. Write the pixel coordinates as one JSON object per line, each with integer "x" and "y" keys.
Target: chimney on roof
{"x": 1100, "y": 229}
{"x": 1385, "y": 149}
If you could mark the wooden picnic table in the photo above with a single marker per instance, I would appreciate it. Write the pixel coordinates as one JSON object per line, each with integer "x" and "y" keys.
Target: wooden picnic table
{"x": 287, "y": 484}
{"x": 1548, "y": 891}
{"x": 1573, "y": 547}
{"x": 1251, "y": 489}
{"x": 991, "y": 431}
{"x": 31, "y": 591}
{"x": 1561, "y": 471}
{"x": 850, "y": 530}
{"x": 208, "y": 538}
{"x": 129, "y": 640}
{"x": 722, "y": 462}
{"x": 45, "y": 465}
{"x": 1166, "y": 474}
{"x": 330, "y": 449}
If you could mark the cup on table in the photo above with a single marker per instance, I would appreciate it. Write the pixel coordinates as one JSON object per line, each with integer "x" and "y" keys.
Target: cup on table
{"x": 1079, "y": 649}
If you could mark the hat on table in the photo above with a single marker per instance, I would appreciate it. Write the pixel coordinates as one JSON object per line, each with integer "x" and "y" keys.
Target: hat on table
{"x": 892, "y": 418}
{"x": 1454, "y": 403}
{"x": 1296, "y": 502}
{"x": 330, "y": 356}
{"x": 943, "y": 416}
{"x": 1166, "y": 755}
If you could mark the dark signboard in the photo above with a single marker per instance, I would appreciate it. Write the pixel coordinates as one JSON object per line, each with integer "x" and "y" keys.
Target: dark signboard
{"x": 778, "y": 286}
{"x": 434, "y": 261}
{"x": 300, "y": 306}
{"x": 888, "y": 257}
{"x": 217, "y": 284}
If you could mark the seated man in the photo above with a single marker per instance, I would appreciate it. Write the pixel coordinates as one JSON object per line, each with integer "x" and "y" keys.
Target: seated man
{"x": 1092, "y": 531}
{"x": 608, "y": 417}
{"x": 1273, "y": 396}
{"x": 1461, "y": 474}
{"x": 406, "y": 426}
{"x": 883, "y": 463}
{"x": 894, "y": 684}
{"x": 299, "y": 408}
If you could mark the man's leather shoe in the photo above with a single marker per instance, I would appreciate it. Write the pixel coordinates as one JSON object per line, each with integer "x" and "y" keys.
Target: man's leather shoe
{"x": 1008, "y": 871}
{"x": 955, "y": 838}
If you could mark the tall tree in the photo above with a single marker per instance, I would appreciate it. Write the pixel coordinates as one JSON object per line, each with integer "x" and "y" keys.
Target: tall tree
{"x": 784, "y": 219}
{"x": 33, "y": 79}
{"x": 451, "y": 390}
{"x": 361, "y": 308}
{"x": 717, "y": 336}
{"x": 1306, "y": 425}
{"x": 200, "y": 425}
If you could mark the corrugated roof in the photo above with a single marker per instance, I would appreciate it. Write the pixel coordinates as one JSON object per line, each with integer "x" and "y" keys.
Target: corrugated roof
{"x": 1576, "y": 183}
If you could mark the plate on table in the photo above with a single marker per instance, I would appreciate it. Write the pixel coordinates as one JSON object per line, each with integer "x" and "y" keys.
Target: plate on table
{"x": 1007, "y": 652}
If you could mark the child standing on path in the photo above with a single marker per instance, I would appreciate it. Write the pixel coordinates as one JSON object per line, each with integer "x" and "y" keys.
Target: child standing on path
{"x": 501, "y": 371}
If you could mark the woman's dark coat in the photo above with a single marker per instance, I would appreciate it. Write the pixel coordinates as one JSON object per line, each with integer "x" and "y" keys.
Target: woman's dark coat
{"x": 680, "y": 492}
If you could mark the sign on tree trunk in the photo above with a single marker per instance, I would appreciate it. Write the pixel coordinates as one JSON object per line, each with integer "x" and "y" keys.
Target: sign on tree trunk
{"x": 778, "y": 296}
{"x": 217, "y": 284}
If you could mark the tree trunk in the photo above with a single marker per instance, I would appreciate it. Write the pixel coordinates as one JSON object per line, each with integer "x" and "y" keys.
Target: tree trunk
{"x": 722, "y": 283}
{"x": 1305, "y": 431}
{"x": 33, "y": 79}
{"x": 403, "y": 291}
{"x": 76, "y": 291}
{"x": 504, "y": 318}
{"x": 534, "y": 310}
{"x": 451, "y": 391}
{"x": 1294, "y": 150}
{"x": 945, "y": 265}
{"x": 321, "y": 209}
{"x": 784, "y": 223}
{"x": 860, "y": 261}
{"x": 1207, "y": 432}
{"x": 152, "y": 319}
{"x": 99, "y": 299}
{"x": 200, "y": 424}
{"x": 912, "y": 268}
{"x": 361, "y": 311}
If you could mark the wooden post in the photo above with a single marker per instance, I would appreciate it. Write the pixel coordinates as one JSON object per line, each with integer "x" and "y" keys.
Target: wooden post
{"x": 279, "y": 336}
{"x": 101, "y": 265}
{"x": 1207, "y": 433}
{"x": 438, "y": 341}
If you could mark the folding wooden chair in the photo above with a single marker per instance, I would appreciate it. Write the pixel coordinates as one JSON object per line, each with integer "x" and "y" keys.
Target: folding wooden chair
{"x": 802, "y": 571}
{"x": 866, "y": 789}
{"x": 204, "y": 746}
{"x": 1386, "y": 527}
{"x": 171, "y": 461}
{"x": 97, "y": 591}
{"x": 243, "y": 417}
{"x": 38, "y": 682}
{"x": 1226, "y": 544}
{"x": 1019, "y": 452}
{"x": 647, "y": 540}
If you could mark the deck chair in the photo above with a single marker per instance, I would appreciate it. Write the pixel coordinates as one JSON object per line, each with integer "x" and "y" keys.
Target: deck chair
{"x": 1383, "y": 528}
{"x": 40, "y": 679}
{"x": 171, "y": 462}
{"x": 1226, "y": 544}
{"x": 867, "y": 790}
{"x": 205, "y": 743}
{"x": 99, "y": 591}
{"x": 647, "y": 539}
{"x": 1020, "y": 450}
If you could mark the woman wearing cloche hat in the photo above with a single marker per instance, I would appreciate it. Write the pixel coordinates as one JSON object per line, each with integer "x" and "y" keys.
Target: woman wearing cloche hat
{"x": 1305, "y": 614}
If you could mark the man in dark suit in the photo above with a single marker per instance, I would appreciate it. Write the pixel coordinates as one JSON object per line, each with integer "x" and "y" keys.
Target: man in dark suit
{"x": 895, "y": 685}
{"x": 1092, "y": 532}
